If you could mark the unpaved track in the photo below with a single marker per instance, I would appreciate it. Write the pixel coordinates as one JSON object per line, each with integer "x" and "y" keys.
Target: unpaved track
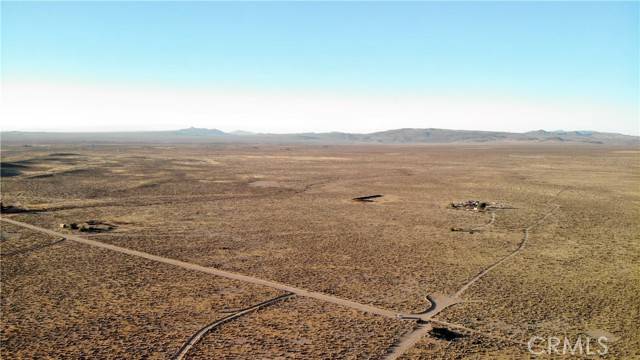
{"x": 200, "y": 334}
{"x": 230, "y": 275}
{"x": 407, "y": 341}
{"x": 484, "y": 226}
{"x": 439, "y": 302}
{"x": 520, "y": 247}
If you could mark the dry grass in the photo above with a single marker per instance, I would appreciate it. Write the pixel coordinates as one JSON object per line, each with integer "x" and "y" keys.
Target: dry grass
{"x": 303, "y": 329}
{"x": 73, "y": 301}
{"x": 285, "y": 214}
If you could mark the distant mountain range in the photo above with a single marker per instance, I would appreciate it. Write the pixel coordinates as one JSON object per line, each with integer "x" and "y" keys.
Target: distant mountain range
{"x": 199, "y": 132}
{"x": 428, "y": 136}
{"x": 398, "y": 136}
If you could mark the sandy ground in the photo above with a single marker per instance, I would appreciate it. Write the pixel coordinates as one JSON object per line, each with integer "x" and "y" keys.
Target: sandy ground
{"x": 285, "y": 215}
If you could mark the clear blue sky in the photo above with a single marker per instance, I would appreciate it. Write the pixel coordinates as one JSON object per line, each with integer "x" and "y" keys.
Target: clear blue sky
{"x": 534, "y": 52}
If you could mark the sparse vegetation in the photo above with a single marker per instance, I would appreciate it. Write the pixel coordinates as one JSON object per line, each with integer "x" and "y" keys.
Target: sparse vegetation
{"x": 286, "y": 214}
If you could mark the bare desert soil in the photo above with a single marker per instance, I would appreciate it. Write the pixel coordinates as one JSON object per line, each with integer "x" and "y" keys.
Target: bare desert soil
{"x": 284, "y": 213}
{"x": 72, "y": 301}
{"x": 304, "y": 328}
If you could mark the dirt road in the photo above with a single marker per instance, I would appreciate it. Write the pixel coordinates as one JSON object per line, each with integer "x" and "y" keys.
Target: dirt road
{"x": 520, "y": 247}
{"x": 230, "y": 275}
{"x": 200, "y": 334}
{"x": 440, "y": 302}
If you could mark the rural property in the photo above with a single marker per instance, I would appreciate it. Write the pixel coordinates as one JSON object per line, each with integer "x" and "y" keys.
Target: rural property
{"x": 234, "y": 250}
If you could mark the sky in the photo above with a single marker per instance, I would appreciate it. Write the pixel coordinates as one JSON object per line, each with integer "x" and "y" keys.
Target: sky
{"x": 320, "y": 66}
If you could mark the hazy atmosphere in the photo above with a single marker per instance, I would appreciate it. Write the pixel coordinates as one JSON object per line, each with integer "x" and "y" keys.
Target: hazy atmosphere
{"x": 320, "y": 180}
{"x": 298, "y": 67}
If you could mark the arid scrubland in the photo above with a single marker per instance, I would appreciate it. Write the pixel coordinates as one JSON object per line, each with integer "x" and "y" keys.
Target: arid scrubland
{"x": 285, "y": 213}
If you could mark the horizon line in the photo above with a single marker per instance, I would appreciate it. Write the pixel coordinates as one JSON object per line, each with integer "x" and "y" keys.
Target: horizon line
{"x": 249, "y": 132}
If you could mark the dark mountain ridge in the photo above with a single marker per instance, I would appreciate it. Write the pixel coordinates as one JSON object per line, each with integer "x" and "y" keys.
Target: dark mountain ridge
{"x": 396, "y": 136}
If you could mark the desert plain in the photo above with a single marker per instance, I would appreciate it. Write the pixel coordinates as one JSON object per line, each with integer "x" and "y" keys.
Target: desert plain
{"x": 247, "y": 251}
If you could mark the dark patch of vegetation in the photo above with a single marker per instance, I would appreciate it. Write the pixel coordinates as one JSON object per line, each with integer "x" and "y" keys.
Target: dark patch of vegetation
{"x": 89, "y": 226}
{"x": 10, "y": 169}
{"x": 446, "y": 334}
{"x": 11, "y": 209}
{"x": 63, "y": 154}
{"x": 368, "y": 198}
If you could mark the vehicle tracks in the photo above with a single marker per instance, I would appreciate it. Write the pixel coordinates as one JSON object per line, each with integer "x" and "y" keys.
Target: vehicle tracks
{"x": 408, "y": 340}
{"x": 520, "y": 247}
{"x": 193, "y": 340}
{"x": 213, "y": 271}
{"x": 438, "y": 302}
